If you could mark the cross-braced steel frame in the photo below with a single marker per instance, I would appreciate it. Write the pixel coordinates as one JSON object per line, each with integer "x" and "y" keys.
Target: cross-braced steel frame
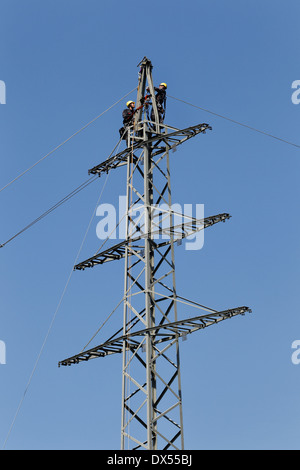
{"x": 149, "y": 340}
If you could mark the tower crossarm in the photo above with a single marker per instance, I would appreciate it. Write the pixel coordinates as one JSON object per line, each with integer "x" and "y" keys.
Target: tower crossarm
{"x": 173, "y": 139}
{"x": 162, "y": 333}
{"x": 178, "y": 232}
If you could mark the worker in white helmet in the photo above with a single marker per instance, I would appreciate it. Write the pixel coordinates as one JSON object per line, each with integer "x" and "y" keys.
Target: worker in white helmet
{"x": 128, "y": 116}
{"x": 128, "y": 113}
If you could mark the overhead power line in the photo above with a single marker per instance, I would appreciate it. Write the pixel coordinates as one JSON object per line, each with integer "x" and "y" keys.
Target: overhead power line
{"x": 65, "y": 141}
{"x": 61, "y": 202}
{"x": 58, "y": 204}
{"x": 237, "y": 122}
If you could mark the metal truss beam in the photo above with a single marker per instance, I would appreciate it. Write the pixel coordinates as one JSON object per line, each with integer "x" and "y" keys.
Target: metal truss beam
{"x": 161, "y": 140}
{"x": 179, "y": 232}
{"x": 162, "y": 333}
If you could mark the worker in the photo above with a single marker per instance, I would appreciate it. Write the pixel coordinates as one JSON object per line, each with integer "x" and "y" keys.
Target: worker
{"x": 128, "y": 118}
{"x": 160, "y": 98}
{"x": 128, "y": 113}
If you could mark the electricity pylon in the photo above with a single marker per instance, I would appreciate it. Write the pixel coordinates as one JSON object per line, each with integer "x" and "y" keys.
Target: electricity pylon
{"x": 149, "y": 339}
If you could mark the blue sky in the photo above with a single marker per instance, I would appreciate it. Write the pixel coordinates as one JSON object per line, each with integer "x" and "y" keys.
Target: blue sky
{"x": 64, "y": 62}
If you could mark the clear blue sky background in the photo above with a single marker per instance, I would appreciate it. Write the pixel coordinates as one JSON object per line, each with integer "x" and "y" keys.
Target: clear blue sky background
{"x": 66, "y": 61}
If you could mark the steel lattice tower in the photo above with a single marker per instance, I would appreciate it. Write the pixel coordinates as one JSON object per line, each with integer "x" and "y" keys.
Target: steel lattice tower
{"x": 149, "y": 340}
